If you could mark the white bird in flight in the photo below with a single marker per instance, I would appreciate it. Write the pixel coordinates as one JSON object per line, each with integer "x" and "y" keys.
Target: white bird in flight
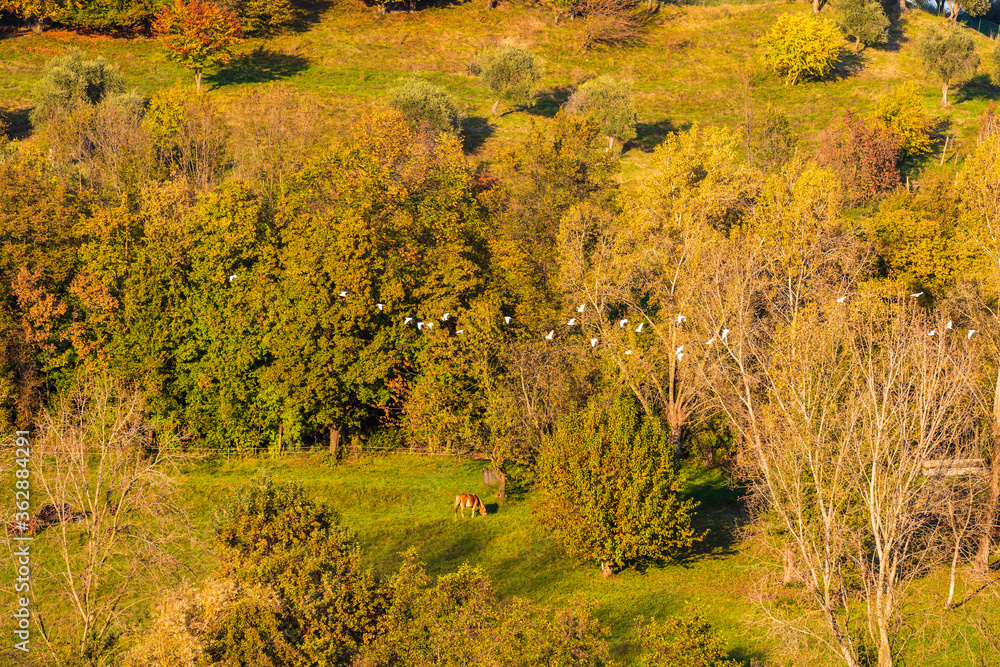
{"x": 593, "y": 342}
{"x": 842, "y": 299}
{"x": 232, "y": 278}
{"x": 582, "y": 308}
{"x": 380, "y": 305}
{"x": 444, "y": 318}
{"x": 623, "y": 322}
{"x": 680, "y": 356}
{"x": 681, "y": 318}
{"x": 430, "y": 325}
{"x": 917, "y": 294}
{"x": 407, "y": 320}
{"x": 948, "y": 326}
{"x": 628, "y": 351}
{"x": 710, "y": 340}
{"x": 680, "y": 351}
{"x": 420, "y": 325}
{"x": 971, "y": 331}
{"x": 344, "y": 294}
{"x": 550, "y": 335}
{"x": 571, "y": 322}
{"x": 460, "y": 331}
{"x": 638, "y": 329}
{"x": 725, "y": 332}
{"x": 506, "y": 320}
{"x": 932, "y": 332}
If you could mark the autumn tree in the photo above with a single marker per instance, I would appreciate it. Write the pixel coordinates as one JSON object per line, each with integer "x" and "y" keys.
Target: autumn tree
{"x": 949, "y": 55}
{"x": 801, "y": 47}
{"x": 610, "y": 103}
{"x": 590, "y": 473}
{"x": 900, "y": 111}
{"x": 510, "y": 72}
{"x": 198, "y": 34}
{"x": 865, "y": 22}
{"x": 863, "y": 153}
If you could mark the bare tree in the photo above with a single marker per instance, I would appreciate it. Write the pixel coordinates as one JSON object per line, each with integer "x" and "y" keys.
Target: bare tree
{"x": 107, "y": 472}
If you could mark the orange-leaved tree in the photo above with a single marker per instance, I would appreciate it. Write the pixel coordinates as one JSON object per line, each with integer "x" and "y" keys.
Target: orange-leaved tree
{"x": 198, "y": 34}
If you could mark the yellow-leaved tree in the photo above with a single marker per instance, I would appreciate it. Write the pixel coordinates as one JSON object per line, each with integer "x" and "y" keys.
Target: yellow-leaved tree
{"x": 801, "y": 47}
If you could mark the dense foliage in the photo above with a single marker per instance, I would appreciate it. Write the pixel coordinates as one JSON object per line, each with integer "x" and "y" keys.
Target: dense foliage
{"x": 802, "y": 47}
{"x": 610, "y": 103}
{"x": 864, "y": 153}
{"x": 948, "y": 55}
{"x": 425, "y": 105}
{"x": 510, "y": 72}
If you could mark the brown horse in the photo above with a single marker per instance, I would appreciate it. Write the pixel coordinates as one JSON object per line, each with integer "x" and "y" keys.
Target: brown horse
{"x": 464, "y": 500}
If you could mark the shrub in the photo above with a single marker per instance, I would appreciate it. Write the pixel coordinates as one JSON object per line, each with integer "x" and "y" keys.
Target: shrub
{"x": 864, "y": 21}
{"x": 610, "y": 22}
{"x": 901, "y": 112}
{"x": 591, "y": 473}
{"x": 425, "y": 105}
{"x": 72, "y": 80}
{"x": 994, "y": 64}
{"x": 263, "y": 17}
{"x": 510, "y": 73}
{"x": 768, "y": 138}
{"x": 461, "y": 620}
{"x": 609, "y": 102}
{"x": 949, "y": 55}
{"x": 276, "y": 536}
{"x": 863, "y": 153}
{"x": 682, "y": 642}
{"x": 802, "y": 46}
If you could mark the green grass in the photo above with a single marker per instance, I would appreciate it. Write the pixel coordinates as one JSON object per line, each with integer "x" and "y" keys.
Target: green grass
{"x": 684, "y": 71}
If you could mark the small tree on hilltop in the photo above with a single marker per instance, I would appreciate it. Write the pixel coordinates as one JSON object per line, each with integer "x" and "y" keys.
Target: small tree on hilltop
{"x": 198, "y": 34}
{"x": 72, "y": 79}
{"x": 802, "y": 47}
{"x": 510, "y": 73}
{"x": 950, "y": 55}
{"x": 425, "y": 105}
{"x": 864, "y": 21}
{"x": 609, "y": 490}
{"x": 610, "y": 103}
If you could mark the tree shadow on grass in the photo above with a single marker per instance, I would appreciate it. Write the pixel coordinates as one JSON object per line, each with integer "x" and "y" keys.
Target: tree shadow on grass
{"x": 549, "y": 101}
{"x": 17, "y": 121}
{"x": 979, "y": 87}
{"x": 650, "y": 135}
{"x": 475, "y": 131}
{"x": 259, "y": 66}
{"x": 721, "y": 512}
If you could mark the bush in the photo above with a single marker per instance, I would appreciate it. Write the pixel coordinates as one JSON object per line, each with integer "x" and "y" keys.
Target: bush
{"x": 610, "y": 22}
{"x": 510, "y": 73}
{"x": 609, "y": 102}
{"x": 688, "y": 642}
{"x": 592, "y": 472}
{"x": 901, "y": 112}
{"x": 863, "y": 153}
{"x": 864, "y": 21}
{"x": 994, "y": 64}
{"x": 72, "y": 80}
{"x": 949, "y": 55}
{"x": 462, "y": 621}
{"x": 276, "y": 536}
{"x": 425, "y": 105}
{"x": 802, "y": 46}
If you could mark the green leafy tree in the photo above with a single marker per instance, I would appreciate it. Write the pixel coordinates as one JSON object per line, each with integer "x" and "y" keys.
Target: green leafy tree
{"x": 865, "y": 22}
{"x": 682, "y": 642}
{"x": 263, "y": 17}
{"x": 198, "y": 34}
{"x": 425, "y": 105}
{"x": 801, "y": 47}
{"x": 610, "y": 103}
{"x": 970, "y": 7}
{"x": 71, "y": 80}
{"x": 460, "y": 620}
{"x": 510, "y": 73}
{"x": 994, "y": 64}
{"x": 608, "y": 488}
{"x": 949, "y": 55}
{"x": 275, "y": 535}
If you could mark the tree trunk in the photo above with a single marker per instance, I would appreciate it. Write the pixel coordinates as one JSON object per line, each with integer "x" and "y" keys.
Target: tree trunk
{"x": 495, "y": 105}
{"x": 787, "y": 564}
{"x": 816, "y": 6}
{"x": 197, "y": 80}
{"x": 954, "y": 567}
{"x": 611, "y": 144}
{"x": 982, "y": 561}
{"x": 857, "y": 45}
{"x": 944, "y": 94}
{"x": 606, "y": 569}
{"x": 281, "y": 429}
{"x": 501, "y": 485}
{"x": 676, "y": 443}
{"x": 335, "y": 442}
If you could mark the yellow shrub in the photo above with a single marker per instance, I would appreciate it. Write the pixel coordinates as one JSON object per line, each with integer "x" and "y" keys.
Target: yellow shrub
{"x": 802, "y": 46}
